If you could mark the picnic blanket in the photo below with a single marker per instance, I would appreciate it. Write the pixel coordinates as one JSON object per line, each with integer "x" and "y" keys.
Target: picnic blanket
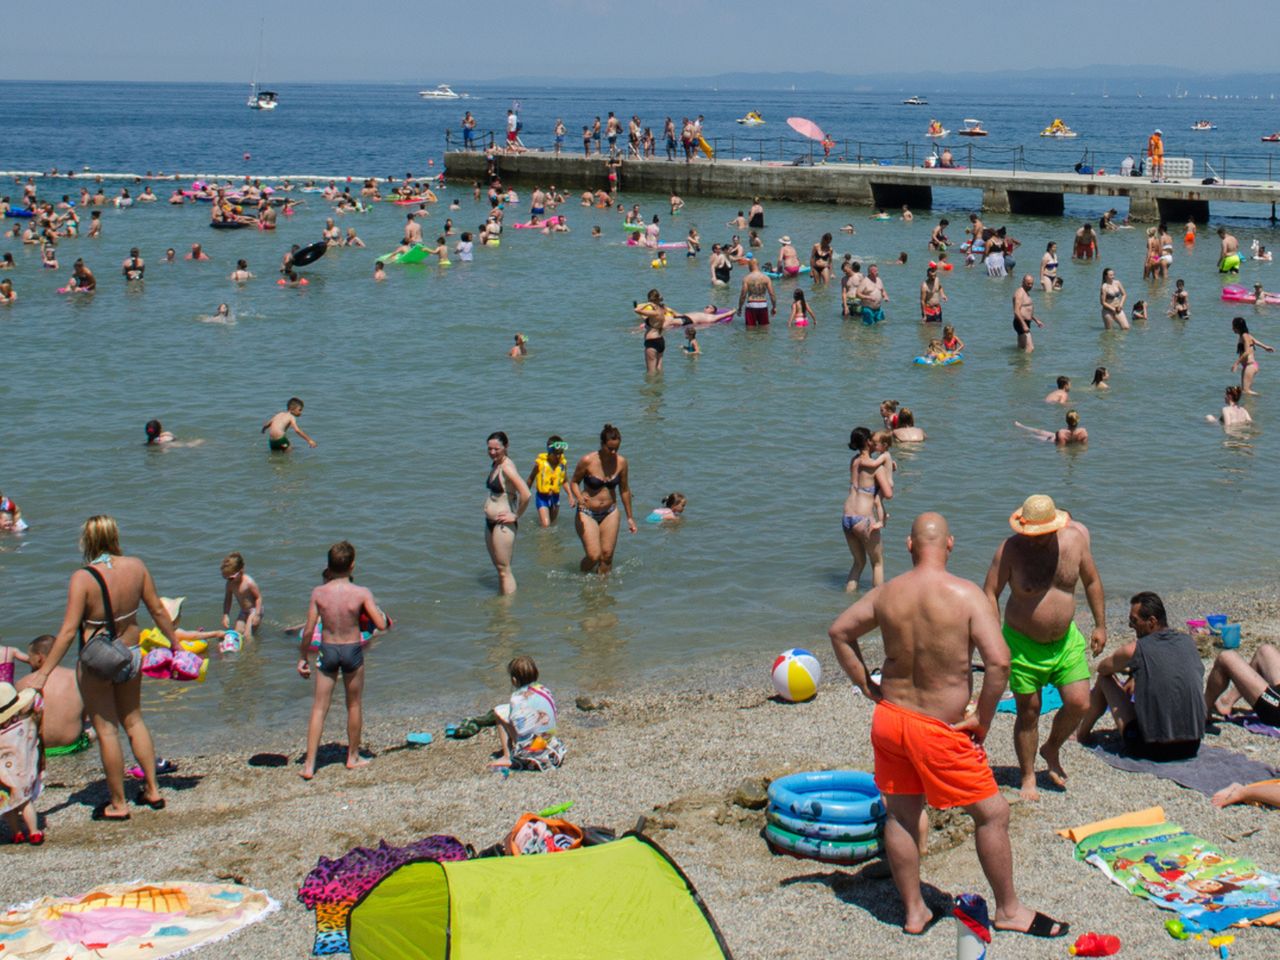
{"x": 1187, "y": 874}
{"x": 135, "y": 920}
{"x": 1207, "y": 772}
{"x": 333, "y": 886}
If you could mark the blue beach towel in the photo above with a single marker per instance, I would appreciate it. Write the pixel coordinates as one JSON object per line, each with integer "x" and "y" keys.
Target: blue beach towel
{"x": 1050, "y": 700}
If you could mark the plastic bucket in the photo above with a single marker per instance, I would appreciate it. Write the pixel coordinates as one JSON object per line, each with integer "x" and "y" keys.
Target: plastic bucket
{"x": 1197, "y": 626}
{"x": 1230, "y": 636}
{"x": 1216, "y": 622}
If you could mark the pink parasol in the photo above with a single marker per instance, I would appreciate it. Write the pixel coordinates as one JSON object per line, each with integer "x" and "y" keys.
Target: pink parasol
{"x": 806, "y": 128}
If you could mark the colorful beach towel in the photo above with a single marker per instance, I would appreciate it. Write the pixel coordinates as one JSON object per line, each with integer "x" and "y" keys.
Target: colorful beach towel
{"x": 333, "y": 886}
{"x": 1179, "y": 871}
{"x": 1207, "y": 772}
{"x": 21, "y": 764}
{"x": 1050, "y": 700}
{"x": 1251, "y": 723}
{"x": 132, "y": 920}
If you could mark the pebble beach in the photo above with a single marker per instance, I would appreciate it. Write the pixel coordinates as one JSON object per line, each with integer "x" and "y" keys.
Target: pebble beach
{"x": 685, "y": 760}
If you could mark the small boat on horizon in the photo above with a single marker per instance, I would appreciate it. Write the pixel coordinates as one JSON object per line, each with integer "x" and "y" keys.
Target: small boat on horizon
{"x": 936, "y": 130}
{"x": 260, "y": 99}
{"x": 916, "y": 102}
{"x": 972, "y": 128}
{"x": 1203, "y": 125}
{"x": 1059, "y": 130}
{"x": 1272, "y": 138}
{"x": 752, "y": 119}
{"x": 441, "y": 92}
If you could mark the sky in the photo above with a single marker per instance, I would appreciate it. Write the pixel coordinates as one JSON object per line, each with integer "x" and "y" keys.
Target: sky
{"x": 430, "y": 43}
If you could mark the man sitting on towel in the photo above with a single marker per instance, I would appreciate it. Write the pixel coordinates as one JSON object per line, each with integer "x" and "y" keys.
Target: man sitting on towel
{"x": 1159, "y": 710}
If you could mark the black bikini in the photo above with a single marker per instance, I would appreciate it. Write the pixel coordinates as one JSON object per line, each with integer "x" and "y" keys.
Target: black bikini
{"x": 497, "y": 489}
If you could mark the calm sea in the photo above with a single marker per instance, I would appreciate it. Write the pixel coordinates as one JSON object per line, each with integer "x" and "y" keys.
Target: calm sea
{"x": 404, "y": 380}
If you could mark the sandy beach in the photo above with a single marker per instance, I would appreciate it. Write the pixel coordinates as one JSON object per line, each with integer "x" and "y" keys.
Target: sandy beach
{"x": 675, "y": 757}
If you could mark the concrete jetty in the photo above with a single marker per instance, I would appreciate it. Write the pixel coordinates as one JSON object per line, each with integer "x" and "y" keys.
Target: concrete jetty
{"x": 889, "y": 187}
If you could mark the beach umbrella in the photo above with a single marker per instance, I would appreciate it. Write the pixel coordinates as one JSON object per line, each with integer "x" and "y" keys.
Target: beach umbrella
{"x": 806, "y": 128}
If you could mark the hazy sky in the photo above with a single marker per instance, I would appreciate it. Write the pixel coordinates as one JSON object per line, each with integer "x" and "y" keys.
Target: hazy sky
{"x": 438, "y": 42}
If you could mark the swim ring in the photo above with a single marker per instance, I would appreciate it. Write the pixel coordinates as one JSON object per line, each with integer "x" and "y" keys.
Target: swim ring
{"x": 951, "y": 360}
{"x": 832, "y": 796}
{"x": 819, "y": 830}
{"x": 633, "y": 227}
{"x": 809, "y": 848}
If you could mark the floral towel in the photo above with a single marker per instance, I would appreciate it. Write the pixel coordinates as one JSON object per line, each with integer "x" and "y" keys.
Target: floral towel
{"x": 137, "y": 921}
{"x": 333, "y": 886}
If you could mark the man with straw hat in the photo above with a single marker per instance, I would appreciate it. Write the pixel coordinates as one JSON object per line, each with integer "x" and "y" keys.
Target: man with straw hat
{"x": 1041, "y": 564}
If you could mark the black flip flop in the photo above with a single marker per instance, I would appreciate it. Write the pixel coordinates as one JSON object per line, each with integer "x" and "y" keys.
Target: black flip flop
{"x": 142, "y": 801}
{"x": 1041, "y": 926}
{"x": 100, "y": 814}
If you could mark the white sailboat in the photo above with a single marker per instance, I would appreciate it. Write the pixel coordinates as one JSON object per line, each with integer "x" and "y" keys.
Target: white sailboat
{"x": 260, "y": 99}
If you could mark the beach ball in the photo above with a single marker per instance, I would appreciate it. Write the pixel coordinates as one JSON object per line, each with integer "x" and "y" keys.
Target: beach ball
{"x": 796, "y": 675}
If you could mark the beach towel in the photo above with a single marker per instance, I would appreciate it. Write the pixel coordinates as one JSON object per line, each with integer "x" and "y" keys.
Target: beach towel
{"x": 1050, "y": 700}
{"x": 332, "y": 888}
{"x": 21, "y": 764}
{"x": 131, "y": 920}
{"x": 1251, "y": 723}
{"x": 1186, "y": 874}
{"x": 1207, "y": 772}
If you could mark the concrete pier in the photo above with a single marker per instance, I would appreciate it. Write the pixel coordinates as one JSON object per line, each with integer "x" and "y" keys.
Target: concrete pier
{"x": 1003, "y": 191}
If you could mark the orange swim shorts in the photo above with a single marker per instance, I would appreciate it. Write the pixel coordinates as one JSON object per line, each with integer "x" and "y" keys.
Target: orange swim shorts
{"x": 919, "y": 754}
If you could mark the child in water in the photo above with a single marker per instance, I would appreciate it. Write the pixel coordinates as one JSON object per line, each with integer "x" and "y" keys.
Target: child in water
{"x": 1139, "y": 311}
{"x": 521, "y": 349}
{"x": 672, "y": 508}
{"x": 950, "y": 342}
{"x": 660, "y": 261}
{"x": 1100, "y": 378}
{"x": 1180, "y": 303}
{"x": 278, "y": 426}
{"x": 241, "y": 587}
{"x": 693, "y": 242}
{"x": 156, "y": 434}
{"x": 801, "y": 314}
{"x": 691, "y": 340}
{"x": 936, "y": 351}
{"x": 546, "y": 479}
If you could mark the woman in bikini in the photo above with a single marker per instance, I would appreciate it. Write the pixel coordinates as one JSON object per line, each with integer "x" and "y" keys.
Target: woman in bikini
{"x": 500, "y": 520}
{"x": 105, "y": 596}
{"x": 1112, "y": 296}
{"x": 599, "y": 482}
{"x": 820, "y": 261}
{"x": 654, "y": 313}
{"x": 859, "y": 523}
{"x": 1049, "y": 267}
{"x": 1246, "y": 360}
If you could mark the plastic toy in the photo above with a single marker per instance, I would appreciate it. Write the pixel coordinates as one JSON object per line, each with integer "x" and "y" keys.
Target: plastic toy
{"x": 1094, "y": 945}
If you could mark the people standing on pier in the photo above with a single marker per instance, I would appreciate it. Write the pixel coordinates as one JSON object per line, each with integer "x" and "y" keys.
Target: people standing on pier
{"x": 1155, "y": 151}
{"x": 468, "y": 131}
{"x": 669, "y": 138}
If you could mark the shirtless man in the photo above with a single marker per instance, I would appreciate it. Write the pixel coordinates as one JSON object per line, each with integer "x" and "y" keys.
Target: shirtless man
{"x": 932, "y": 296}
{"x": 850, "y": 280}
{"x": 927, "y": 743}
{"x": 1063, "y": 394}
{"x": 133, "y": 266}
{"x": 1228, "y": 252}
{"x": 197, "y": 253}
{"x": 241, "y": 273}
{"x": 1041, "y": 564}
{"x": 412, "y": 230}
{"x": 337, "y": 605}
{"x": 757, "y": 297}
{"x": 1086, "y": 243}
{"x": 62, "y": 721}
{"x": 872, "y": 296}
{"x": 1024, "y": 313}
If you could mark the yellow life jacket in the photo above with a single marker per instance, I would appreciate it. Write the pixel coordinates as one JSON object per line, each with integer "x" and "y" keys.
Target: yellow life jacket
{"x": 549, "y": 479}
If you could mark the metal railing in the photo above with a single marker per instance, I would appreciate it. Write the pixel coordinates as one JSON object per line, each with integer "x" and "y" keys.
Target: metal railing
{"x": 800, "y": 151}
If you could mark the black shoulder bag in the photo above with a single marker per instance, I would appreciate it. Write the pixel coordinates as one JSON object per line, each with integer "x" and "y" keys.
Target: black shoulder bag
{"x": 103, "y": 654}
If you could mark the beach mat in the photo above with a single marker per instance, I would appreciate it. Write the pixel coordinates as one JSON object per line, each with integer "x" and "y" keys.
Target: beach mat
{"x": 1181, "y": 872}
{"x": 131, "y": 920}
{"x": 1251, "y": 723}
{"x": 333, "y": 887}
{"x": 1050, "y": 700}
{"x": 1207, "y": 772}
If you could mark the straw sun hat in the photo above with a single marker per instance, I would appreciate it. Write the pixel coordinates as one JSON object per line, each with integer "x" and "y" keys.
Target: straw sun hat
{"x": 14, "y": 701}
{"x": 1037, "y": 516}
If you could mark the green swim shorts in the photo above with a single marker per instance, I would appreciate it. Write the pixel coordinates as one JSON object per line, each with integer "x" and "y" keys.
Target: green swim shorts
{"x": 1033, "y": 665}
{"x": 84, "y": 743}
{"x": 278, "y": 443}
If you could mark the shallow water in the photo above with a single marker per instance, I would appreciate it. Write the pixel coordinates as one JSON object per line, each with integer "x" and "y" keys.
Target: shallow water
{"x": 404, "y": 380}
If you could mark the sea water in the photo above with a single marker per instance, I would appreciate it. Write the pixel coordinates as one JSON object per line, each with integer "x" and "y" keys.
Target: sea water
{"x": 404, "y": 380}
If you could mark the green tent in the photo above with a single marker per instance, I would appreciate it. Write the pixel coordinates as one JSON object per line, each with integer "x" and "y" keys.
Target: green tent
{"x": 625, "y": 900}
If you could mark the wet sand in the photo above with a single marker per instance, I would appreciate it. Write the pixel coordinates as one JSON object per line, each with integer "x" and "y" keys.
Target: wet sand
{"x": 676, "y": 757}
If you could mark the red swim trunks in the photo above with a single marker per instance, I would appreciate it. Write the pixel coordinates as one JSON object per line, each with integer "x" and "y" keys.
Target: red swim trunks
{"x": 756, "y": 316}
{"x": 918, "y": 754}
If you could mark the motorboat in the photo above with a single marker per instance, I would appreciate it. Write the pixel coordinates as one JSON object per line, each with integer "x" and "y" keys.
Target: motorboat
{"x": 1059, "y": 130}
{"x": 441, "y": 92}
{"x": 972, "y": 128}
{"x": 261, "y": 99}
{"x": 752, "y": 119}
{"x": 916, "y": 102}
{"x": 1203, "y": 125}
{"x": 936, "y": 130}
{"x": 1272, "y": 138}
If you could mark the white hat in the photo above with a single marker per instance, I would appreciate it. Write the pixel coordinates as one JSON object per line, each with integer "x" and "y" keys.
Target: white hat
{"x": 173, "y": 606}
{"x": 785, "y": 239}
{"x": 1159, "y": 131}
{"x": 14, "y": 701}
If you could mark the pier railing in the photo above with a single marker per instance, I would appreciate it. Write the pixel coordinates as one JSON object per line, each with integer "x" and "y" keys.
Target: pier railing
{"x": 1050, "y": 156}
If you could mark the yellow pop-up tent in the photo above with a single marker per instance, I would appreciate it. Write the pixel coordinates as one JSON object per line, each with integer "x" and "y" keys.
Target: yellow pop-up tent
{"x": 625, "y": 900}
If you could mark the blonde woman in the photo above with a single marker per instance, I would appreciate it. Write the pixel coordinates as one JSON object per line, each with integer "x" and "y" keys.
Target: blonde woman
{"x": 104, "y": 598}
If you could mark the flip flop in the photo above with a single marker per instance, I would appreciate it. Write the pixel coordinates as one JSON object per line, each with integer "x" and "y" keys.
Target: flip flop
{"x": 419, "y": 739}
{"x": 1041, "y": 926}
{"x": 141, "y": 800}
{"x": 465, "y": 729}
{"x": 100, "y": 813}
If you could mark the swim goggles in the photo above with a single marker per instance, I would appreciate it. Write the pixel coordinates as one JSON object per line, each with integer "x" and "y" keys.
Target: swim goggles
{"x": 558, "y": 445}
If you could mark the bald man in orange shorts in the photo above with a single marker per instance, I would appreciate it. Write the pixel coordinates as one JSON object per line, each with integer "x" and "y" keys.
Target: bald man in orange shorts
{"x": 928, "y": 746}
{"x": 1155, "y": 150}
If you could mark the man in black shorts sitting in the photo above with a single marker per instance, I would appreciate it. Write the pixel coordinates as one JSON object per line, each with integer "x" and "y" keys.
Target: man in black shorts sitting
{"x": 1254, "y": 682}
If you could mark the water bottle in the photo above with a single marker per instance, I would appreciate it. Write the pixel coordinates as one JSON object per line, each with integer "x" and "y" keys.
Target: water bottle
{"x": 973, "y": 927}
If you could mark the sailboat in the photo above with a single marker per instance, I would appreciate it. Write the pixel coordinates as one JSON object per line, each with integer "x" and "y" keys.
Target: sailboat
{"x": 260, "y": 99}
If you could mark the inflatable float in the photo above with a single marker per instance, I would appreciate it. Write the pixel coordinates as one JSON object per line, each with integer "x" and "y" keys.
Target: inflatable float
{"x": 752, "y": 119}
{"x": 19, "y": 214}
{"x": 633, "y": 242}
{"x": 1234, "y": 293}
{"x": 633, "y": 227}
{"x": 310, "y": 253}
{"x": 835, "y": 816}
{"x": 549, "y": 222}
{"x": 950, "y": 360}
{"x": 410, "y": 201}
{"x": 229, "y": 224}
{"x": 415, "y": 254}
{"x": 779, "y": 275}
